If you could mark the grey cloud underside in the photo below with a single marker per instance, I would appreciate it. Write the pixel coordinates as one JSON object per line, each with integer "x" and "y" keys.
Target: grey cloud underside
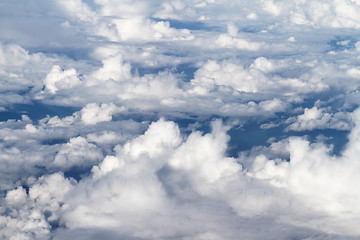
{"x": 201, "y": 119}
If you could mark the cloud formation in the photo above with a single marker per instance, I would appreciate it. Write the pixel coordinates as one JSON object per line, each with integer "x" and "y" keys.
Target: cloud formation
{"x": 195, "y": 119}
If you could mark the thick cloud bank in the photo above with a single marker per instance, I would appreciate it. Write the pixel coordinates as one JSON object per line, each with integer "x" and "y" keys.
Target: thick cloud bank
{"x": 167, "y": 119}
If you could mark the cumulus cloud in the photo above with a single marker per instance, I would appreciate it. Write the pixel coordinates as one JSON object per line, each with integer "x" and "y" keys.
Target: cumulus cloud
{"x": 176, "y": 118}
{"x": 165, "y": 174}
{"x": 318, "y": 118}
{"x": 233, "y": 40}
{"x": 78, "y": 152}
{"x": 320, "y": 180}
{"x": 13, "y": 60}
{"x": 259, "y": 77}
{"x": 158, "y": 172}
{"x": 30, "y": 214}
{"x": 58, "y": 78}
{"x": 93, "y": 113}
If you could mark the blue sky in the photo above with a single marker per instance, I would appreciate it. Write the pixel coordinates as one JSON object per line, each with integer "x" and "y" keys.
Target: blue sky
{"x": 167, "y": 119}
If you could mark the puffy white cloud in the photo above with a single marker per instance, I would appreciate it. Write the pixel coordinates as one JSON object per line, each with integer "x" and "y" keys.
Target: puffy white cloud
{"x": 248, "y": 62}
{"x": 77, "y": 152}
{"x": 59, "y": 78}
{"x": 202, "y": 158}
{"x": 318, "y": 118}
{"x": 93, "y": 113}
{"x": 113, "y": 68}
{"x": 154, "y": 173}
{"x": 257, "y": 78}
{"x": 227, "y": 41}
{"x": 140, "y": 191}
{"x": 15, "y": 55}
{"x": 105, "y": 137}
{"x": 138, "y": 29}
{"x": 13, "y": 60}
{"x": 31, "y": 148}
{"x": 322, "y": 181}
{"x": 30, "y": 215}
{"x": 167, "y": 178}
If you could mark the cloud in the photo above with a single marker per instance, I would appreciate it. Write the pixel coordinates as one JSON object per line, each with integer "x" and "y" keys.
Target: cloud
{"x": 93, "y": 113}
{"x": 257, "y": 78}
{"x": 30, "y": 148}
{"x": 146, "y": 103}
{"x": 318, "y": 118}
{"x": 166, "y": 177}
{"x": 58, "y": 78}
{"x": 78, "y": 10}
{"x": 29, "y": 215}
{"x": 78, "y": 152}
{"x": 13, "y": 59}
{"x": 320, "y": 180}
{"x": 161, "y": 174}
{"x": 113, "y": 68}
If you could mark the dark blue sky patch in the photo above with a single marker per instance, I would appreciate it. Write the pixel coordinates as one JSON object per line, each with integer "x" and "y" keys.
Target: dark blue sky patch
{"x": 341, "y": 43}
{"x": 251, "y": 135}
{"x": 36, "y": 111}
{"x": 6, "y": 115}
{"x": 54, "y": 141}
{"x": 77, "y": 172}
{"x": 187, "y": 70}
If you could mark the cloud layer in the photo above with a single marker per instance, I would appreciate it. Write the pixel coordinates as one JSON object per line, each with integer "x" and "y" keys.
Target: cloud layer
{"x": 196, "y": 119}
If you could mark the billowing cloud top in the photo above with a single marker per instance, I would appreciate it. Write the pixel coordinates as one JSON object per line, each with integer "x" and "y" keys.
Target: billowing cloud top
{"x": 167, "y": 119}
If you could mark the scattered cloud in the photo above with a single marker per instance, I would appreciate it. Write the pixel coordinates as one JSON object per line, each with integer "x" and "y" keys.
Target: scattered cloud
{"x": 315, "y": 118}
{"x": 179, "y": 119}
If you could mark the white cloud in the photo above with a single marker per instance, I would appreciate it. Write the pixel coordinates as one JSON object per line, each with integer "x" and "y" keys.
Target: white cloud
{"x": 197, "y": 166}
{"x": 13, "y": 60}
{"x": 257, "y": 78}
{"x": 175, "y": 10}
{"x": 59, "y": 78}
{"x": 271, "y": 7}
{"x": 77, "y": 152}
{"x": 322, "y": 181}
{"x": 77, "y": 9}
{"x": 252, "y": 16}
{"x": 152, "y": 174}
{"x": 202, "y": 158}
{"x": 92, "y": 113}
{"x": 228, "y": 41}
{"x": 15, "y": 55}
{"x": 24, "y": 218}
{"x": 112, "y": 67}
{"x": 318, "y": 118}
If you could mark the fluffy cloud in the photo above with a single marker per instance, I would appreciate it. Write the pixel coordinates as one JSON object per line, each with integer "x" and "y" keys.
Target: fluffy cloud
{"x": 78, "y": 152}
{"x": 315, "y": 118}
{"x": 257, "y": 78}
{"x": 29, "y": 215}
{"x": 322, "y": 181}
{"x": 94, "y": 86}
{"x": 164, "y": 174}
{"x": 232, "y": 40}
{"x": 332, "y": 14}
{"x": 13, "y": 60}
{"x": 158, "y": 172}
{"x": 92, "y": 113}
{"x": 58, "y": 78}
